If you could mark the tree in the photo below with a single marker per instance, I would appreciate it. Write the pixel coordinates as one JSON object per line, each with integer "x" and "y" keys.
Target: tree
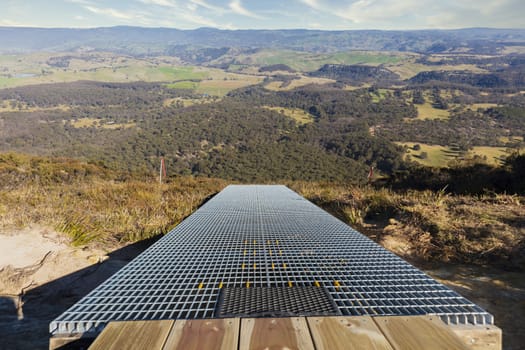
{"x": 417, "y": 97}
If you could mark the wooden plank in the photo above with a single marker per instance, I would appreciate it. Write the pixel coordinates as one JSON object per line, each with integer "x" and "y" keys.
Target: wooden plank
{"x": 217, "y": 334}
{"x": 133, "y": 335}
{"x": 275, "y": 333}
{"x": 482, "y": 337}
{"x": 334, "y": 333}
{"x": 418, "y": 332}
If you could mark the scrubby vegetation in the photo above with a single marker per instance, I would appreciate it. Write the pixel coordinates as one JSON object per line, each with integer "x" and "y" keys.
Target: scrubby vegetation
{"x": 91, "y": 204}
{"x": 94, "y": 205}
{"x": 432, "y": 226}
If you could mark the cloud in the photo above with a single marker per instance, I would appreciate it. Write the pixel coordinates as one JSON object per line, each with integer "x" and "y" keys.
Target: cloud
{"x": 10, "y": 23}
{"x": 313, "y": 4}
{"x": 164, "y": 3}
{"x": 378, "y": 10}
{"x": 83, "y": 2}
{"x": 208, "y": 6}
{"x": 327, "y": 9}
{"x": 110, "y": 12}
{"x": 236, "y": 7}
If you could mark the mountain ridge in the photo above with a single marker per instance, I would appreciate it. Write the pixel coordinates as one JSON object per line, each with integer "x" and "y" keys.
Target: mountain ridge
{"x": 149, "y": 41}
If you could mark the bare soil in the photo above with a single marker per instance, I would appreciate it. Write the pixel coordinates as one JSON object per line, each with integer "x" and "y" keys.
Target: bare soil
{"x": 41, "y": 276}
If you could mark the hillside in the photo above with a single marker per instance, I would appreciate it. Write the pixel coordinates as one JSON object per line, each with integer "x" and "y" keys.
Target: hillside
{"x": 162, "y": 41}
{"x": 455, "y": 238}
{"x": 427, "y": 225}
{"x": 86, "y": 115}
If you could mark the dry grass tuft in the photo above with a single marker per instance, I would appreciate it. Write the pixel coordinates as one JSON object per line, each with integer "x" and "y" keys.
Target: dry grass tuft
{"x": 85, "y": 202}
{"x": 430, "y": 225}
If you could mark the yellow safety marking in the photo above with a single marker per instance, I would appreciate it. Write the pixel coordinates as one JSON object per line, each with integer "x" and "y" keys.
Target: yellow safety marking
{"x": 336, "y": 284}
{"x": 220, "y": 285}
{"x": 270, "y": 251}
{"x": 254, "y": 252}
{"x": 248, "y": 284}
{"x": 280, "y": 252}
{"x": 255, "y": 266}
{"x": 254, "y": 241}
{"x": 284, "y": 265}
{"x": 277, "y": 242}
{"x": 201, "y": 285}
{"x": 242, "y": 266}
{"x": 245, "y": 251}
{"x": 290, "y": 284}
{"x": 273, "y": 266}
{"x": 317, "y": 284}
{"x": 268, "y": 242}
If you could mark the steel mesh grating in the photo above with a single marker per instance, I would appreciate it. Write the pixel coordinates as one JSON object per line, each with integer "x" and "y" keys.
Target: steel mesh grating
{"x": 263, "y": 237}
{"x": 275, "y": 302}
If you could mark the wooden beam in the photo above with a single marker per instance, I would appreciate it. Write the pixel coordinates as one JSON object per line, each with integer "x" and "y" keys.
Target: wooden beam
{"x": 481, "y": 337}
{"x": 342, "y": 333}
{"x": 275, "y": 333}
{"x": 133, "y": 335}
{"x": 216, "y": 334}
{"x": 418, "y": 332}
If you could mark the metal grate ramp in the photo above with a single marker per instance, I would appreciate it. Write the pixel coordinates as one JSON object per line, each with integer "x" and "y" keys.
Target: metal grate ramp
{"x": 263, "y": 237}
{"x": 275, "y": 302}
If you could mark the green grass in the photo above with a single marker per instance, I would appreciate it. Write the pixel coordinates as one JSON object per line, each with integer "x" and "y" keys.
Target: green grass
{"x": 437, "y": 156}
{"x": 512, "y": 139}
{"x": 494, "y": 154}
{"x": 297, "y": 114}
{"x": 476, "y": 106}
{"x": 367, "y": 58}
{"x": 440, "y": 156}
{"x": 427, "y": 111}
{"x": 106, "y": 67}
{"x": 302, "y": 61}
{"x": 380, "y": 95}
{"x": 186, "y": 85}
{"x": 182, "y": 73}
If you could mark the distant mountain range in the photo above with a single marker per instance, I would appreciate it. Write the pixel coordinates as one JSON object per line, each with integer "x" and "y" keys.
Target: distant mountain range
{"x": 158, "y": 41}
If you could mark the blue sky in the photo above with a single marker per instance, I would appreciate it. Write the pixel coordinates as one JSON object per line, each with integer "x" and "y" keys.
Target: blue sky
{"x": 269, "y": 14}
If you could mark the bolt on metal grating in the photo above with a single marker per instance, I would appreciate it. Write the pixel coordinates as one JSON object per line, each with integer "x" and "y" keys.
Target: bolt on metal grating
{"x": 255, "y": 236}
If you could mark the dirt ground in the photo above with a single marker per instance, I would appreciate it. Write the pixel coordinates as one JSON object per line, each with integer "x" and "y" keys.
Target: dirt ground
{"x": 41, "y": 276}
{"x": 500, "y": 292}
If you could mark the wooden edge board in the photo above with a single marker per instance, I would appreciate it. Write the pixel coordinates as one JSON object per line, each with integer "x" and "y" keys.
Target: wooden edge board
{"x": 418, "y": 332}
{"x": 275, "y": 333}
{"x": 208, "y": 334}
{"x": 133, "y": 335}
{"x": 479, "y": 337}
{"x": 342, "y": 333}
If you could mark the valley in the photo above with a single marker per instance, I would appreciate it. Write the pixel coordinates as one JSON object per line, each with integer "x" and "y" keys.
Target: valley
{"x": 438, "y": 115}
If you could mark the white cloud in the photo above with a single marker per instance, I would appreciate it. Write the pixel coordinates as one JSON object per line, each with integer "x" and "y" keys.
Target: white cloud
{"x": 10, "y": 23}
{"x": 208, "y": 6}
{"x": 83, "y": 2}
{"x": 164, "y": 3}
{"x": 236, "y": 7}
{"x": 376, "y": 10}
{"x": 313, "y": 4}
{"x": 110, "y": 12}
